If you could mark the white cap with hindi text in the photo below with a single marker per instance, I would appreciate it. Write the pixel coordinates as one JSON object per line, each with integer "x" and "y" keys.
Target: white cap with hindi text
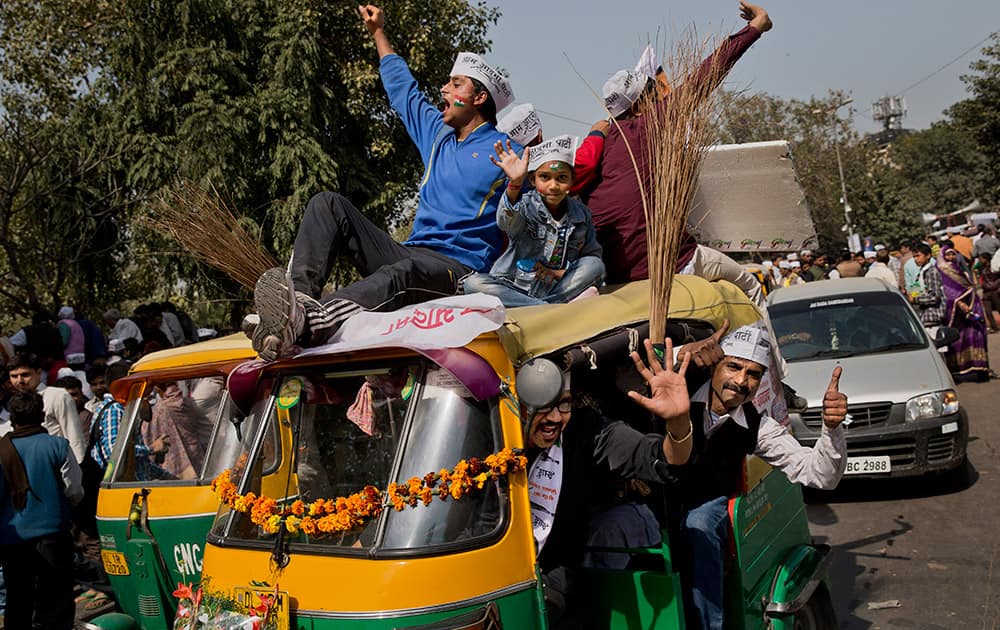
{"x": 521, "y": 123}
{"x": 622, "y": 90}
{"x": 751, "y": 342}
{"x": 475, "y": 67}
{"x": 559, "y": 149}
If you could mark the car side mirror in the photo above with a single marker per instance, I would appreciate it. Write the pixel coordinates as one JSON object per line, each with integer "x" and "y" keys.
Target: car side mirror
{"x": 539, "y": 383}
{"x": 945, "y": 336}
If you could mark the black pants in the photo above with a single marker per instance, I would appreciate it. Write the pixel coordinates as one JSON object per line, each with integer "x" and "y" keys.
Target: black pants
{"x": 991, "y": 303}
{"x": 394, "y": 275}
{"x": 39, "y": 577}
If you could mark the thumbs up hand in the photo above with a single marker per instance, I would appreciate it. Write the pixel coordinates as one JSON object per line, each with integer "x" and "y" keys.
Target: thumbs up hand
{"x": 834, "y": 402}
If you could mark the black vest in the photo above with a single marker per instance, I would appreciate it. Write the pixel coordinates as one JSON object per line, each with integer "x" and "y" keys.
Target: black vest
{"x": 716, "y": 465}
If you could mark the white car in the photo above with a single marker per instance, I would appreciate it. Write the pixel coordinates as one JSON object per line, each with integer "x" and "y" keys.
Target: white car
{"x": 905, "y": 415}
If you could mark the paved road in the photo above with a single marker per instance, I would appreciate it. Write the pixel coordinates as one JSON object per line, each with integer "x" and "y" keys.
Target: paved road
{"x": 931, "y": 544}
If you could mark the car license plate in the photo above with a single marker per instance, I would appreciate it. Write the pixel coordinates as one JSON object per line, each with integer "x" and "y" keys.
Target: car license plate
{"x": 251, "y": 597}
{"x": 875, "y": 465}
{"x": 114, "y": 562}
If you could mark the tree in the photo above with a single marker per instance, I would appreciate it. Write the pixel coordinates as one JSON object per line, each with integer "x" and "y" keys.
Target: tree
{"x": 270, "y": 101}
{"x": 809, "y": 126}
{"x": 980, "y": 114}
{"x": 932, "y": 171}
{"x": 61, "y": 209}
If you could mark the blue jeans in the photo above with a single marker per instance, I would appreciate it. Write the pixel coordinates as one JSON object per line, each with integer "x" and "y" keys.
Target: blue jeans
{"x": 580, "y": 275}
{"x": 707, "y": 528}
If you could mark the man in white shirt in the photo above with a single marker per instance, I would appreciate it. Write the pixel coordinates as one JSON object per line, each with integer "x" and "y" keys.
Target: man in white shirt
{"x": 724, "y": 427}
{"x": 61, "y": 418}
{"x": 880, "y": 269}
{"x": 122, "y": 328}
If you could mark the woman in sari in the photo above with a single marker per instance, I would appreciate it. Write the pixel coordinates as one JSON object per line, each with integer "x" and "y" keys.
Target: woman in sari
{"x": 966, "y": 358}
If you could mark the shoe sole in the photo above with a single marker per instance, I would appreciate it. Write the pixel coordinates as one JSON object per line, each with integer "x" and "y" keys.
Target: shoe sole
{"x": 273, "y": 298}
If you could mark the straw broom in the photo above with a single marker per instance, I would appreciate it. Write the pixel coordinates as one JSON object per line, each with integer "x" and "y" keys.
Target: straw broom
{"x": 204, "y": 225}
{"x": 678, "y": 132}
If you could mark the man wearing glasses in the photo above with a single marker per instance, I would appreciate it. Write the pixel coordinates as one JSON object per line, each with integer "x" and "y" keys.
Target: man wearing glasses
{"x": 562, "y": 479}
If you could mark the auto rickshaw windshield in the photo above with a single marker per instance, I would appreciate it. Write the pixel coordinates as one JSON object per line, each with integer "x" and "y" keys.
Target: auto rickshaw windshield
{"x": 369, "y": 426}
{"x": 170, "y": 428}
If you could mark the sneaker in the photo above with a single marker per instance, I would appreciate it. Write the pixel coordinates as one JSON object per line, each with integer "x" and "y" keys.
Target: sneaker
{"x": 250, "y": 324}
{"x": 281, "y": 317}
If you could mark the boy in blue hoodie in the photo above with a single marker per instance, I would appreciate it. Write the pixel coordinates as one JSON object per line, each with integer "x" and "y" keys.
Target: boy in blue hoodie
{"x": 553, "y": 255}
{"x": 454, "y": 228}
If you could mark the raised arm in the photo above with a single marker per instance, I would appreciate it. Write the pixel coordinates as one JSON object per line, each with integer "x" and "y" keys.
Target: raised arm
{"x": 716, "y": 66}
{"x": 668, "y": 399}
{"x": 374, "y": 20}
{"x": 821, "y": 466}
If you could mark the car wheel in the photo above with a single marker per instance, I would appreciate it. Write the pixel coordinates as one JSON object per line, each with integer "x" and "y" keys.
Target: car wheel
{"x": 818, "y": 613}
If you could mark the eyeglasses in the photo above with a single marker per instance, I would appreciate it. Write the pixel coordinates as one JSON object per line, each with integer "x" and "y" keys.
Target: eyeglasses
{"x": 564, "y": 406}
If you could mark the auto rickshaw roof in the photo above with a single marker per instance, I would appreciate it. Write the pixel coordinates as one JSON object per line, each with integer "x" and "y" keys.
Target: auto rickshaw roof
{"x": 233, "y": 347}
{"x": 539, "y": 330}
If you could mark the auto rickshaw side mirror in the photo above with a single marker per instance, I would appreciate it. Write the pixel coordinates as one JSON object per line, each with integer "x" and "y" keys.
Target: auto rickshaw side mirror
{"x": 539, "y": 383}
{"x": 945, "y": 336}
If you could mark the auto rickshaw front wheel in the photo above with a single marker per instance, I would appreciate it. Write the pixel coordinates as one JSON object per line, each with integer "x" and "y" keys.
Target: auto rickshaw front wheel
{"x": 818, "y": 612}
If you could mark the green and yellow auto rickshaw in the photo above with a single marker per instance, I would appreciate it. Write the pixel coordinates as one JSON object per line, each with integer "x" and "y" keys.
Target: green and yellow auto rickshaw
{"x": 153, "y": 515}
{"x": 405, "y": 502}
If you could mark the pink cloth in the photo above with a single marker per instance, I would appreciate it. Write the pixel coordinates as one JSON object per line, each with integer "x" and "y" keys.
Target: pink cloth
{"x": 177, "y": 417}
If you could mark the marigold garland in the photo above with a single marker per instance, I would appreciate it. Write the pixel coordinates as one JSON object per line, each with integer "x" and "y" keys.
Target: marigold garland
{"x": 345, "y": 514}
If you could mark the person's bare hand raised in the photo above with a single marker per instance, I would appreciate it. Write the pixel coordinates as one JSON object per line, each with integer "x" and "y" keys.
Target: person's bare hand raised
{"x": 372, "y": 16}
{"x": 707, "y": 352}
{"x": 757, "y": 16}
{"x": 834, "y": 402}
{"x": 516, "y": 168}
{"x": 669, "y": 397}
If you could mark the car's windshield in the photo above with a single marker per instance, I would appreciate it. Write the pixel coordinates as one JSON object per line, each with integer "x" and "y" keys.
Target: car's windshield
{"x": 845, "y": 325}
{"x": 372, "y": 426}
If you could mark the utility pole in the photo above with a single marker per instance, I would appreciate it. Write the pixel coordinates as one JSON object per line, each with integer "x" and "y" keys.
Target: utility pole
{"x": 853, "y": 240}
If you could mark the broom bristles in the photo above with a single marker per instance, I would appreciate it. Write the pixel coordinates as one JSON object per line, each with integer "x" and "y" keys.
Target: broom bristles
{"x": 678, "y": 132}
{"x": 208, "y": 229}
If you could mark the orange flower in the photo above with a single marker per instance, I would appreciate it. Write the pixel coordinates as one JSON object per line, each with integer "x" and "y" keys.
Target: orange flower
{"x": 427, "y": 495}
{"x": 308, "y": 526}
{"x": 353, "y": 512}
{"x": 183, "y": 591}
{"x": 480, "y": 480}
{"x": 414, "y": 485}
{"x": 244, "y": 503}
{"x": 398, "y": 501}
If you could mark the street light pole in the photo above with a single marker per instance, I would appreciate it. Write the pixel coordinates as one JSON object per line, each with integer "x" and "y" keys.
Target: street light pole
{"x": 840, "y": 170}
{"x": 843, "y": 184}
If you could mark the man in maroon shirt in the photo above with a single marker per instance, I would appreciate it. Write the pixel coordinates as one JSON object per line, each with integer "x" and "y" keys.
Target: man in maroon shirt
{"x": 615, "y": 200}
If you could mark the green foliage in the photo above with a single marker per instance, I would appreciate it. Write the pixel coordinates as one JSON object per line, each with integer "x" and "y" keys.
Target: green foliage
{"x": 934, "y": 171}
{"x": 270, "y": 101}
{"x": 815, "y": 134}
{"x": 980, "y": 114}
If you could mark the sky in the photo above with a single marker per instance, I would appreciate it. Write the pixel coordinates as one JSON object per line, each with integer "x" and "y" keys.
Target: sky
{"x": 868, "y": 49}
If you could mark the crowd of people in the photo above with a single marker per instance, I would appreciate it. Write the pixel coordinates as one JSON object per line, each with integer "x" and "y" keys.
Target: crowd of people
{"x": 500, "y": 211}
{"x": 952, "y": 281}
{"x": 61, "y": 423}
{"x": 571, "y": 215}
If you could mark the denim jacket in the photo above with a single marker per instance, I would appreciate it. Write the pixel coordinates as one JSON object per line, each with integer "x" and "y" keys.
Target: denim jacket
{"x": 535, "y": 235}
